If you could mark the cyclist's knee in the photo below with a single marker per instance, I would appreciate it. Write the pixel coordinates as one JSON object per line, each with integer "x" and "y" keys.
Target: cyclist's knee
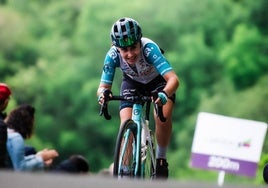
{"x": 125, "y": 114}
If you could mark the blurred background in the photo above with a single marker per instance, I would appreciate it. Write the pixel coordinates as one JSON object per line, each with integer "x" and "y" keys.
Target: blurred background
{"x": 52, "y": 52}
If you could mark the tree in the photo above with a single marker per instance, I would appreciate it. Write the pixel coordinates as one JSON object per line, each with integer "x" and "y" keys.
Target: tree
{"x": 245, "y": 56}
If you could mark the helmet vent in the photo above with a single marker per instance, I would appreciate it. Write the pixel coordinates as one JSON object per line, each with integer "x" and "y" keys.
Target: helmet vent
{"x": 115, "y": 29}
{"x": 123, "y": 27}
{"x": 131, "y": 25}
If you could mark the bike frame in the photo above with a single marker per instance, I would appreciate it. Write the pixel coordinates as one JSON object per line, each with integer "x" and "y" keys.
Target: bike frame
{"x": 144, "y": 137}
{"x": 137, "y": 117}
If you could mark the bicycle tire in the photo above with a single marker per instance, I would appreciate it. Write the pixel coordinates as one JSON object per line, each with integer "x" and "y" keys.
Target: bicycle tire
{"x": 125, "y": 156}
{"x": 149, "y": 163}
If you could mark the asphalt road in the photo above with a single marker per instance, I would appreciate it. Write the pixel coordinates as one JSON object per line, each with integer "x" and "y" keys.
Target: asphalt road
{"x": 49, "y": 180}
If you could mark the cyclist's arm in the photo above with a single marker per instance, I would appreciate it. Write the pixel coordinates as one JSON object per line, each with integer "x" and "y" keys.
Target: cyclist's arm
{"x": 172, "y": 83}
{"x": 153, "y": 54}
{"x": 110, "y": 63}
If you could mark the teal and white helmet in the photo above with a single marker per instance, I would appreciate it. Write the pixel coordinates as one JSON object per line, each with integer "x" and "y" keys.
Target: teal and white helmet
{"x": 125, "y": 32}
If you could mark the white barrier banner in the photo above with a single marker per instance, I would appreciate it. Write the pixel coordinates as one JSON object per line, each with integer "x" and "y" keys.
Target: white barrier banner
{"x": 227, "y": 144}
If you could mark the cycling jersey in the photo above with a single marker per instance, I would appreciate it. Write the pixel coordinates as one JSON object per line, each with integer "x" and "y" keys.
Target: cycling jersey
{"x": 149, "y": 65}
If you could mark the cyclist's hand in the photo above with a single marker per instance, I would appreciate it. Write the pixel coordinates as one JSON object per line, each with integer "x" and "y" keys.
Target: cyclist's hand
{"x": 103, "y": 97}
{"x": 162, "y": 98}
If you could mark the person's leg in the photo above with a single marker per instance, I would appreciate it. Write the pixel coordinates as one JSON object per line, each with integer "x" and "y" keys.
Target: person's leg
{"x": 163, "y": 132}
{"x": 163, "y": 129}
{"x": 127, "y": 89}
{"x": 125, "y": 114}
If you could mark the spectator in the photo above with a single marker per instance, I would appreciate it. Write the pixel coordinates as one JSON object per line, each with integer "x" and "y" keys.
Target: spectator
{"x": 5, "y": 93}
{"x": 265, "y": 173}
{"x": 20, "y": 123}
{"x": 75, "y": 164}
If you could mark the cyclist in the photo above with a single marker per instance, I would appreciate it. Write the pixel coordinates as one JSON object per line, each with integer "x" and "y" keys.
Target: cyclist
{"x": 144, "y": 69}
{"x": 5, "y": 93}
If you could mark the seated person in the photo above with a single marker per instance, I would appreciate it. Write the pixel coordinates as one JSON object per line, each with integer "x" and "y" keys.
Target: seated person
{"x": 265, "y": 173}
{"x": 75, "y": 164}
{"x": 5, "y": 94}
{"x": 20, "y": 123}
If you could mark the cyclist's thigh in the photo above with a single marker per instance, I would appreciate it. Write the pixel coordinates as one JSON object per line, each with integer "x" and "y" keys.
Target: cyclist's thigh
{"x": 128, "y": 88}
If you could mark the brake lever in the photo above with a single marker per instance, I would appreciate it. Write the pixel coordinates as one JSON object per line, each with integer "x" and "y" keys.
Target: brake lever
{"x": 104, "y": 111}
{"x": 158, "y": 109}
{"x": 159, "y": 112}
{"x": 104, "y": 106}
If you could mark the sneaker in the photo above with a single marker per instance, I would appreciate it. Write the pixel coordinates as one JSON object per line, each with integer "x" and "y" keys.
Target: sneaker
{"x": 161, "y": 169}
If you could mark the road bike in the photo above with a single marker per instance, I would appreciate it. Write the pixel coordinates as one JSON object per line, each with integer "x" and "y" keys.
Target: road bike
{"x": 134, "y": 154}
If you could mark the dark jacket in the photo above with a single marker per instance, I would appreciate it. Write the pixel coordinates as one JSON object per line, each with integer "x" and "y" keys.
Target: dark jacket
{"x": 3, "y": 140}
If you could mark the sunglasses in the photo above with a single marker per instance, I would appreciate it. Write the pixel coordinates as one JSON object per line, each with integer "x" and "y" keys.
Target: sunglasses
{"x": 126, "y": 41}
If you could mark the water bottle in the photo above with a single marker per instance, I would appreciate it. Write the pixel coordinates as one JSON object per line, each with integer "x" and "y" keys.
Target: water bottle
{"x": 144, "y": 133}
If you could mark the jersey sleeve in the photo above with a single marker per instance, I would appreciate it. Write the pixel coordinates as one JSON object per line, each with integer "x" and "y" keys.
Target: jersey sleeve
{"x": 111, "y": 61}
{"x": 153, "y": 54}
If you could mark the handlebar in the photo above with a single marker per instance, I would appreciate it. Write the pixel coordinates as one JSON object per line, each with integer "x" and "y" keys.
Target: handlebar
{"x": 135, "y": 99}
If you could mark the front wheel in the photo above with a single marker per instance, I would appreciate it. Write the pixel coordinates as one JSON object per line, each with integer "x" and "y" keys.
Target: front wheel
{"x": 125, "y": 161}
